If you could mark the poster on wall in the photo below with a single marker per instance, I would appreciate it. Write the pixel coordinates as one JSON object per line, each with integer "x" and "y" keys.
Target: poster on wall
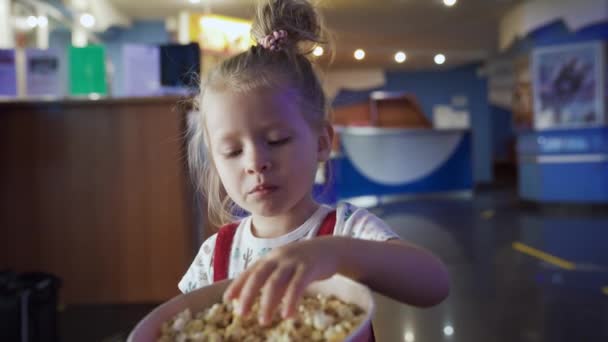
{"x": 45, "y": 73}
{"x": 8, "y": 73}
{"x": 87, "y": 70}
{"x": 568, "y": 86}
{"x": 141, "y": 65}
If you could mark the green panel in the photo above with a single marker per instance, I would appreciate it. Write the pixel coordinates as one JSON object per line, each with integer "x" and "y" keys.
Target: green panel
{"x": 87, "y": 70}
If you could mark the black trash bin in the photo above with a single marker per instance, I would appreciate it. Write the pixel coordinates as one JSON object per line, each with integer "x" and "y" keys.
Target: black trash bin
{"x": 28, "y": 307}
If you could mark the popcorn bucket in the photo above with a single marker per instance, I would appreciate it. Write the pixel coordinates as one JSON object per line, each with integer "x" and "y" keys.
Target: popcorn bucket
{"x": 347, "y": 290}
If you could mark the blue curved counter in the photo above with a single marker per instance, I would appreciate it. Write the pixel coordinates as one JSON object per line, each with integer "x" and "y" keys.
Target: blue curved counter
{"x": 393, "y": 161}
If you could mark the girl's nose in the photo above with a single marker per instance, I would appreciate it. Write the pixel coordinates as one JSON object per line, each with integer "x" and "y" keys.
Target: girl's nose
{"x": 259, "y": 163}
{"x": 259, "y": 167}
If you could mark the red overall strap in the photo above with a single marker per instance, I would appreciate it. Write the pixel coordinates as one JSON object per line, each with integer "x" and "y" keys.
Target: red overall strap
{"x": 221, "y": 253}
{"x": 327, "y": 227}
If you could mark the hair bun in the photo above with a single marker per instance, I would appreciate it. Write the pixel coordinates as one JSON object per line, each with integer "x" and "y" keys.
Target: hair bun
{"x": 296, "y": 17}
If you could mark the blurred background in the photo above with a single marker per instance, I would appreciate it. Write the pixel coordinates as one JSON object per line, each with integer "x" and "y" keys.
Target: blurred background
{"x": 475, "y": 128}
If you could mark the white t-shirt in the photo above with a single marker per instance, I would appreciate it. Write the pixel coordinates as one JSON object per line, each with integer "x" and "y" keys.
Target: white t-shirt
{"x": 247, "y": 249}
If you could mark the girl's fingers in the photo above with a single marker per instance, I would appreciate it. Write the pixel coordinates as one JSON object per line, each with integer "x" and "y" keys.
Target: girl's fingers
{"x": 300, "y": 280}
{"x": 273, "y": 291}
{"x": 254, "y": 282}
{"x": 234, "y": 289}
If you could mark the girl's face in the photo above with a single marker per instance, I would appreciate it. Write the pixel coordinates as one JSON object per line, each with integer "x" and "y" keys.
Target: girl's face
{"x": 265, "y": 152}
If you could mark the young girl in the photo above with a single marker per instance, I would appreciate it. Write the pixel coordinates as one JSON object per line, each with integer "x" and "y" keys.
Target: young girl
{"x": 257, "y": 143}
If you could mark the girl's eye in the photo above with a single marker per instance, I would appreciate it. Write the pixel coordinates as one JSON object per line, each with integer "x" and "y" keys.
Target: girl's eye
{"x": 279, "y": 142}
{"x": 232, "y": 154}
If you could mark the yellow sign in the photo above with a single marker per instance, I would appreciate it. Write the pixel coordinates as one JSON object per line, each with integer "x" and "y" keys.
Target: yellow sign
{"x": 220, "y": 34}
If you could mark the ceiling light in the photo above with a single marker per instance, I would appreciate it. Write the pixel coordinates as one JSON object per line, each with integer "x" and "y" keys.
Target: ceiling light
{"x": 359, "y": 54}
{"x": 400, "y": 57}
{"x": 195, "y": 1}
{"x": 449, "y": 3}
{"x": 318, "y": 51}
{"x": 439, "y": 58}
{"x": 42, "y": 21}
{"x": 87, "y": 20}
{"x": 409, "y": 337}
{"x": 448, "y": 330}
{"x": 32, "y": 21}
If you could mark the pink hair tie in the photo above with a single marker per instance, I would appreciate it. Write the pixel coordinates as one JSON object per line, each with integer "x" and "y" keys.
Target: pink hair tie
{"x": 274, "y": 41}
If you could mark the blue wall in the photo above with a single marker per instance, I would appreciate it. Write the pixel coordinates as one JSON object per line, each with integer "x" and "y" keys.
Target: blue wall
{"x": 557, "y": 33}
{"x": 438, "y": 87}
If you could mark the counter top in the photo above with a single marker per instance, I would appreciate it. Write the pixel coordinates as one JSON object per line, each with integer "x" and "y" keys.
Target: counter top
{"x": 88, "y": 101}
{"x": 395, "y": 131}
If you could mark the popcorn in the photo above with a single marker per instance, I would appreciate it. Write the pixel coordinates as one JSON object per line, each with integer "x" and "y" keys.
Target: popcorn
{"x": 321, "y": 321}
{"x": 319, "y": 318}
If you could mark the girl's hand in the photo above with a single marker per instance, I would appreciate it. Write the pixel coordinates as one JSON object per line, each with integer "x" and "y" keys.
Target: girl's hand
{"x": 283, "y": 275}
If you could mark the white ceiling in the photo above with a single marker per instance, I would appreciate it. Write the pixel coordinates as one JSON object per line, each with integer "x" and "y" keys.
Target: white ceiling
{"x": 465, "y": 32}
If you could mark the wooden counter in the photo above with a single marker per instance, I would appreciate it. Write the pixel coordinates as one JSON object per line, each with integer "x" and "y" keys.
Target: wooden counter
{"x": 97, "y": 192}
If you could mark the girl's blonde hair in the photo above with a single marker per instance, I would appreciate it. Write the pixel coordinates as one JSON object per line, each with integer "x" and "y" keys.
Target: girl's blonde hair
{"x": 287, "y": 68}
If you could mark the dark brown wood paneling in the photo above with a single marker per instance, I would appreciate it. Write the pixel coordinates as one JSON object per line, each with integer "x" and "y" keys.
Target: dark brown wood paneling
{"x": 355, "y": 114}
{"x": 97, "y": 193}
{"x": 401, "y": 112}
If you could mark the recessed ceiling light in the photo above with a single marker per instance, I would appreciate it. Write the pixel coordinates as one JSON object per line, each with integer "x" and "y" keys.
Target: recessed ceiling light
{"x": 449, "y": 3}
{"x": 439, "y": 58}
{"x": 87, "y": 20}
{"x": 32, "y": 21}
{"x": 359, "y": 54}
{"x": 448, "y": 330}
{"x": 42, "y": 21}
{"x": 318, "y": 51}
{"x": 400, "y": 57}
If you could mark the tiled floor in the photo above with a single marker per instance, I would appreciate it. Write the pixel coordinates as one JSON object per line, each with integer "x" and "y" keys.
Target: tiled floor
{"x": 500, "y": 291}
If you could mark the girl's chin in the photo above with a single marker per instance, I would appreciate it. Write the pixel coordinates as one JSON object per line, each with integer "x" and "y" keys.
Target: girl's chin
{"x": 272, "y": 204}
{"x": 267, "y": 210}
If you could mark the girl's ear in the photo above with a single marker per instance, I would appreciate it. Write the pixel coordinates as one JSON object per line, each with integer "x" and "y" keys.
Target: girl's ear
{"x": 326, "y": 137}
